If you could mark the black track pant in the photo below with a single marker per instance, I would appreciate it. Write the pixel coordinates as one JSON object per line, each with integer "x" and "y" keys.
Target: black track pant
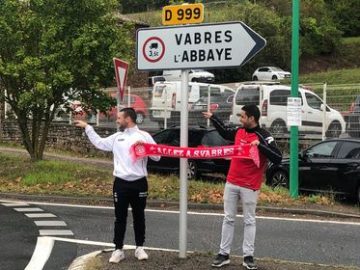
{"x": 135, "y": 194}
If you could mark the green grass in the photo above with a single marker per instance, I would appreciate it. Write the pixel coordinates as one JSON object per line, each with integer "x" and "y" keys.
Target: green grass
{"x": 47, "y": 171}
{"x": 19, "y": 174}
{"x": 351, "y": 40}
{"x": 333, "y": 77}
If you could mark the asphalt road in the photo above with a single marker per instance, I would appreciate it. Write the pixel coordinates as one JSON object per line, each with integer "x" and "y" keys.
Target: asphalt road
{"x": 310, "y": 241}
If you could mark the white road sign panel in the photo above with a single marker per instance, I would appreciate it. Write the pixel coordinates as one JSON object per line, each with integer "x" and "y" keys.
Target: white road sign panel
{"x": 197, "y": 46}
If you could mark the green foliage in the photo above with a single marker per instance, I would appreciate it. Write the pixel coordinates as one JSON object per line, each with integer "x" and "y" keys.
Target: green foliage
{"x": 346, "y": 14}
{"x": 272, "y": 19}
{"x": 54, "y": 50}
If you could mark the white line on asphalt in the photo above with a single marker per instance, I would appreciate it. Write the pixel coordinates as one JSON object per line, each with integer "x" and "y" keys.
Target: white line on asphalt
{"x": 15, "y": 204}
{"x": 105, "y": 244}
{"x": 199, "y": 213}
{"x": 55, "y": 232}
{"x": 28, "y": 209}
{"x": 40, "y": 215}
{"x": 44, "y": 246}
{"x": 49, "y": 223}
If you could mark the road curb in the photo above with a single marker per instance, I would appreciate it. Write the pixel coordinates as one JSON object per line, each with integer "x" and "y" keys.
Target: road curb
{"x": 173, "y": 205}
{"x": 80, "y": 262}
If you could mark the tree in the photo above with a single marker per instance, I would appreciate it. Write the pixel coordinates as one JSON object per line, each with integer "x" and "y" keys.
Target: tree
{"x": 346, "y": 14}
{"x": 54, "y": 50}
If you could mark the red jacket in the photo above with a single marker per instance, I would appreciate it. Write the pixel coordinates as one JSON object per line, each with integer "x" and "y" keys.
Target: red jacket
{"x": 244, "y": 172}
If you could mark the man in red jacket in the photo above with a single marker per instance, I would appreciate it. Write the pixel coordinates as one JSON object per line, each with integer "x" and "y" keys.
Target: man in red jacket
{"x": 243, "y": 181}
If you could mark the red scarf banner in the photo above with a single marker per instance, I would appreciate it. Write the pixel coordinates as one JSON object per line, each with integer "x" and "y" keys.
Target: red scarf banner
{"x": 245, "y": 151}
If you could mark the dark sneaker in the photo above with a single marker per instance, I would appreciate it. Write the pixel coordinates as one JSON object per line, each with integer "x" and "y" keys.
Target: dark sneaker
{"x": 221, "y": 260}
{"x": 249, "y": 263}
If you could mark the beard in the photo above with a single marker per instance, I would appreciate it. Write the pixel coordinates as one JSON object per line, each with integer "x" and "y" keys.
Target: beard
{"x": 123, "y": 126}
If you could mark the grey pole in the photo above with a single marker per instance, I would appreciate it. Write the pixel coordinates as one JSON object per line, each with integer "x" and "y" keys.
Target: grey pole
{"x": 208, "y": 106}
{"x": 183, "y": 163}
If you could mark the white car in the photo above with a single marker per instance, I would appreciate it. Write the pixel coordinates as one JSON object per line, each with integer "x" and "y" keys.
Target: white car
{"x": 195, "y": 75}
{"x": 270, "y": 73}
{"x": 271, "y": 98}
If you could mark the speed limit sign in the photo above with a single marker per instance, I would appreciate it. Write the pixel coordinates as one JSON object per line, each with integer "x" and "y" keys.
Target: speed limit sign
{"x": 183, "y": 14}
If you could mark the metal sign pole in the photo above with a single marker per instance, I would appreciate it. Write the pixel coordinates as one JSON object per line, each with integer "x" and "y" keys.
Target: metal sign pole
{"x": 208, "y": 106}
{"x": 129, "y": 98}
{"x": 117, "y": 108}
{"x": 165, "y": 112}
{"x": 294, "y": 130}
{"x": 324, "y": 113}
{"x": 183, "y": 163}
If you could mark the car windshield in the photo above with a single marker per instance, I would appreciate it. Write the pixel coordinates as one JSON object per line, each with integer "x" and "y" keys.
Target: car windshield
{"x": 276, "y": 69}
{"x": 322, "y": 150}
{"x": 198, "y": 70}
{"x": 213, "y": 98}
{"x": 247, "y": 96}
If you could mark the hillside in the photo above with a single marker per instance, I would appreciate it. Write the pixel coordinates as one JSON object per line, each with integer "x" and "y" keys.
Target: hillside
{"x": 322, "y": 47}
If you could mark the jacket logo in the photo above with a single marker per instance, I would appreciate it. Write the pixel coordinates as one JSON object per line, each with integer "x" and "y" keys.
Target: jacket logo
{"x": 269, "y": 140}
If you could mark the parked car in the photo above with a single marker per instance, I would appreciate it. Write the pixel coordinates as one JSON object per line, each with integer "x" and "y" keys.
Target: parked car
{"x": 331, "y": 166}
{"x": 166, "y": 99}
{"x": 271, "y": 98}
{"x": 136, "y": 102}
{"x": 220, "y": 104}
{"x": 270, "y": 73}
{"x": 197, "y": 137}
{"x": 195, "y": 75}
{"x": 353, "y": 119}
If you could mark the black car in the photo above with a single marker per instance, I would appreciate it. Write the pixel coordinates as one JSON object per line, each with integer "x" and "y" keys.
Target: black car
{"x": 353, "y": 120}
{"x": 331, "y": 166}
{"x": 198, "y": 136}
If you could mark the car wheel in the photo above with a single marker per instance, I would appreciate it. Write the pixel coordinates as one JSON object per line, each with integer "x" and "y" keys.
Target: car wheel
{"x": 354, "y": 130}
{"x": 334, "y": 130}
{"x": 192, "y": 172}
{"x": 140, "y": 118}
{"x": 278, "y": 127}
{"x": 279, "y": 179}
{"x": 358, "y": 195}
{"x": 255, "y": 78}
{"x": 274, "y": 77}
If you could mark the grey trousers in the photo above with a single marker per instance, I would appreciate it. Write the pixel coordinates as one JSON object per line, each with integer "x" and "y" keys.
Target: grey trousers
{"x": 248, "y": 197}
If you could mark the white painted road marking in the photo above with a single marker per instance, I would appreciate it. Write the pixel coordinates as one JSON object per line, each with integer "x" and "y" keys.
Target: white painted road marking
{"x": 28, "y": 209}
{"x": 40, "y": 215}
{"x": 15, "y": 204}
{"x": 44, "y": 246}
{"x": 199, "y": 213}
{"x": 49, "y": 223}
{"x": 56, "y": 232}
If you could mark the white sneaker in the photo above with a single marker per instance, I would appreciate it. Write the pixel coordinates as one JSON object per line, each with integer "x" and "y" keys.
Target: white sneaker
{"x": 140, "y": 254}
{"x": 117, "y": 256}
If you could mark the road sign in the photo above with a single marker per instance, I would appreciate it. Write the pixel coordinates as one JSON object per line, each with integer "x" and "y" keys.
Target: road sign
{"x": 228, "y": 44}
{"x": 183, "y": 14}
{"x": 121, "y": 68}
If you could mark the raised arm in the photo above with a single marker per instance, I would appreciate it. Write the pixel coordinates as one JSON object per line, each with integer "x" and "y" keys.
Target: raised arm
{"x": 226, "y": 132}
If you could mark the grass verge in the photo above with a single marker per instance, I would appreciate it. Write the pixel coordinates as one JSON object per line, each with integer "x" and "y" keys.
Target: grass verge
{"x": 20, "y": 175}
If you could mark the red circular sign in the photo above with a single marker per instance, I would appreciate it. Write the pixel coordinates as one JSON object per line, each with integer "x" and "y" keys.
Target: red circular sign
{"x": 153, "y": 49}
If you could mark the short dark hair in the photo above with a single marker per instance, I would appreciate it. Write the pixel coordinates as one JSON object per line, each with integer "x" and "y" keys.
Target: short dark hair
{"x": 129, "y": 112}
{"x": 252, "y": 110}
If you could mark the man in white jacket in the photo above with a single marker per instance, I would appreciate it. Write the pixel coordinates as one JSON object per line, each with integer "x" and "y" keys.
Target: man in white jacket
{"x": 130, "y": 184}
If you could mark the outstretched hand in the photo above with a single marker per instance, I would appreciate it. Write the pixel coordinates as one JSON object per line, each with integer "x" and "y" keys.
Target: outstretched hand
{"x": 80, "y": 123}
{"x": 207, "y": 115}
